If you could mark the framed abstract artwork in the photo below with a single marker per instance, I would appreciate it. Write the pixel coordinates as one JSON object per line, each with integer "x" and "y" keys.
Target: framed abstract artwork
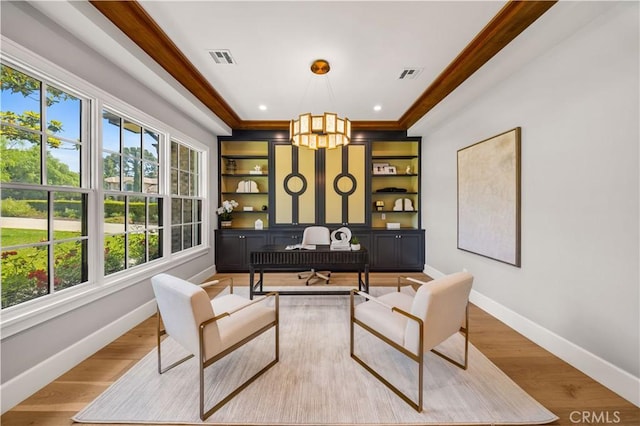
{"x": 489, "y": 198}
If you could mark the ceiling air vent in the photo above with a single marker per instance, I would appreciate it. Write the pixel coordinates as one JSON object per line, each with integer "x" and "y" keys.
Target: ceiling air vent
{"x": 222, "y": 56}
{"x": 410, "y": 73}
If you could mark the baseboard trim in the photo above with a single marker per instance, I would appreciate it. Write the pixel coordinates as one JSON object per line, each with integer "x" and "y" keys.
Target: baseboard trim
{"x": 26, "y": 384}
{"x": 619, "y": 381}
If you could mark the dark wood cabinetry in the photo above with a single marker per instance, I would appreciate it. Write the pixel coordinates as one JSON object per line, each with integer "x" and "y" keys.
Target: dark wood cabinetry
{"x": 233, "y": 248}
{"x": 398, "y": 250}
{"x": 297, "y": 187}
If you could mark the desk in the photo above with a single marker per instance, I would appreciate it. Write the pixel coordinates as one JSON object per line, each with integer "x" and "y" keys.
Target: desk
{"x": 277, "y": 258}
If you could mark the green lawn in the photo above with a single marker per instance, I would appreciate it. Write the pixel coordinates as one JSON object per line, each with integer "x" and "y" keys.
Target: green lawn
{"x": 16, "y": 236}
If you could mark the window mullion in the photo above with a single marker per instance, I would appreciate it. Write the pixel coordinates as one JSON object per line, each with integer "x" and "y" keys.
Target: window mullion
{"x": 50, "y": 238}
{"x": 43, "y": 133}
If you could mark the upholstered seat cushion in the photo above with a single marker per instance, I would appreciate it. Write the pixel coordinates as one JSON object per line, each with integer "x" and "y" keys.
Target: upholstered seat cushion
{"x": 390, "y": 324}
{"x": 240, "y": 324}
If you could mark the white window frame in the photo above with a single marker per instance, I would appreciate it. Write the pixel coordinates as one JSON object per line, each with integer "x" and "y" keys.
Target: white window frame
{"x": 31, "y": 313}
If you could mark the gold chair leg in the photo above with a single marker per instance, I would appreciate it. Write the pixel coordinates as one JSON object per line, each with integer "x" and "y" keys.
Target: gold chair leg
{"x": 206, "y": 414}
{"x": 418, "y": 358}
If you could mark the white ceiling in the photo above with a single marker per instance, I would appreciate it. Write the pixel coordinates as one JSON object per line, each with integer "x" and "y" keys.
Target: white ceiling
{"x": 368, "y": 44}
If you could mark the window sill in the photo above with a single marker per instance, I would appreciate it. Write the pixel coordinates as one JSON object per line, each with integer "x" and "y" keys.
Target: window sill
{"x": 24, "y": 316}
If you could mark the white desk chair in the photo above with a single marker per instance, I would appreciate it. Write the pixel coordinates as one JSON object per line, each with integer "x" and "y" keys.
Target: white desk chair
{"x": 314, "y": 235}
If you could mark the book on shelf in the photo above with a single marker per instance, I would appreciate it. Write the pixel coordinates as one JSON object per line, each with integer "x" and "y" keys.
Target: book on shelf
{"x": 301, "y": 247}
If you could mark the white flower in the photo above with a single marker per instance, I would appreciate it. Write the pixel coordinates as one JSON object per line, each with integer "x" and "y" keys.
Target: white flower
{"x": 227, "y": 207}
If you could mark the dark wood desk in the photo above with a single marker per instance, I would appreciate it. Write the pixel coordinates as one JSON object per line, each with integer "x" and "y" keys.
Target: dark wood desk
{"x": 277, "y": 258}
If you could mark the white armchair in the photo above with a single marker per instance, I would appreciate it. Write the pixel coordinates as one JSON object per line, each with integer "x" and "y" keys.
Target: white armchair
{"x": 211, "y": 329}
{"x": 416, "y": 324}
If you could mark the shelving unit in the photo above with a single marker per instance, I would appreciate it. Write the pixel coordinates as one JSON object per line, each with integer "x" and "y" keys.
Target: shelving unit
{"x": 238, "y": 164}
{"x": 404, "y": 158}
{"x": 333, "y": 188}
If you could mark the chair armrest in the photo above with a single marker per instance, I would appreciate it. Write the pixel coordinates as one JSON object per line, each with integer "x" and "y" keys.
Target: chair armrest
{"x": 212, "y": 283}
{"x": 233, "y": 311}
{"x": 391, "y": 308}
{"x": 373, "y": 299}
{"x": 410, "y": 279}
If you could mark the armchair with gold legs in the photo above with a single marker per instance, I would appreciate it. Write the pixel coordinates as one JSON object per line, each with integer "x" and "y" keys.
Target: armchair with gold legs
{"x": 211, "y": 329}
{"x": 416, "y": 324}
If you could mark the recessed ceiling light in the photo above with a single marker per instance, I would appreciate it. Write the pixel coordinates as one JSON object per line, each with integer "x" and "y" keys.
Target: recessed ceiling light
{"x": 262, "y": 107}
{"x": 377, "y": 108}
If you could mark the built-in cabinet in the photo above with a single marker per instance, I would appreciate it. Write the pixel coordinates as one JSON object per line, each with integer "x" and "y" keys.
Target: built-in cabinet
{"x": 398, "y": 250}
{"x": 395, "y": 183}
{"x": 366, "y": 185}
{"x": 233, "y": 248}
{"x": 244, "y": 178}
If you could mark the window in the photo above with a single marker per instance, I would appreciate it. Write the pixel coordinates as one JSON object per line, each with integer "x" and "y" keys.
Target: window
{"x": 133, "y": 225}
{"x": 54, "y": 245}
{"x": 186, "y": 199}
{"x": 43, "y": 236}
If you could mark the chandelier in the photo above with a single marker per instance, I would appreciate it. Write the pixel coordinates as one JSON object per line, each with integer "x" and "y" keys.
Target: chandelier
{"x": 320, "y": 131}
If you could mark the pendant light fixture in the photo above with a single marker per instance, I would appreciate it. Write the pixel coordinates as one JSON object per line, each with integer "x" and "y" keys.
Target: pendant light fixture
{"x": 320, "y": 131}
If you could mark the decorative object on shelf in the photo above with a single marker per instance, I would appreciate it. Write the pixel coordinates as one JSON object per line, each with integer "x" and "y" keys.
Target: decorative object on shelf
{"x": 398, "y": 205}
{"x": 380, "y": 168}
{"x": 231, "y": 166}
{"x": 257, "y": 170}
{"x": 379, "y": 205}
{"x": 320, "y": 131}
{"x": 264, "y": 208}
{"x": 393, "y": 225}
{"x": 384, "y": 169}
{"x": 408, "y": 205}
{"x": 355, "y": 243}
{"x": 391, "y": 189}
{"x": 408, "y": 170}
{"x": 258, "y": 224}
{"x": 225, "y": 210}
{"x": 247, "y": 208}
{"x": 247, "y": 186}
{"x": 340, "y": 239}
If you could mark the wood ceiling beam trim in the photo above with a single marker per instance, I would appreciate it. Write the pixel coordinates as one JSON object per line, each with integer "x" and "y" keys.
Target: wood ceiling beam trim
{"x": 284, "y": 125}
{"x": 510, "y": 21}
{"x": 135, "y": 23}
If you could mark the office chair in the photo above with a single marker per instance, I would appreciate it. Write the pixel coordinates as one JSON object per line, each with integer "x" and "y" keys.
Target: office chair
{"x": 314, "y": 235}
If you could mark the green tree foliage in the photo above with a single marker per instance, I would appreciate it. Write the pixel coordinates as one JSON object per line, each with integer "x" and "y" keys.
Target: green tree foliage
{"x": 16, "y": 82}
{"x": 20, "y": 148}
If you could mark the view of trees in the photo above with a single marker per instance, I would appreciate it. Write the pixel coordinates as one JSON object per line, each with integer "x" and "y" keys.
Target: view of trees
{"x": 41, "y": 144}
{"x": 24, "y": 256}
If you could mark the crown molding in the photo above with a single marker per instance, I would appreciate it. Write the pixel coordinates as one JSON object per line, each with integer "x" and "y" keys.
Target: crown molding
{"x": 510, "y": 21}
{"x": 135, "y": 23}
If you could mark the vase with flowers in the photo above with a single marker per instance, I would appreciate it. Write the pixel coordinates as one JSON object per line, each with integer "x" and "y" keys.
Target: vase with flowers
{"x": 224, "y": 211}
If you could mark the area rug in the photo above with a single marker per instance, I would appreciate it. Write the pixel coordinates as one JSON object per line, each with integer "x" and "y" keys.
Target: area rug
{"x": 316, "y": 382}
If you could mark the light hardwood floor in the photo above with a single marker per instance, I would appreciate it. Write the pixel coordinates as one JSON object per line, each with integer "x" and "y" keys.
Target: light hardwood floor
{"x": 571, "y": 395}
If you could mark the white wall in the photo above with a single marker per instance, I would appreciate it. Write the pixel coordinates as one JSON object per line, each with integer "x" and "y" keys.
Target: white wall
{"x": 578, "y": 107}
